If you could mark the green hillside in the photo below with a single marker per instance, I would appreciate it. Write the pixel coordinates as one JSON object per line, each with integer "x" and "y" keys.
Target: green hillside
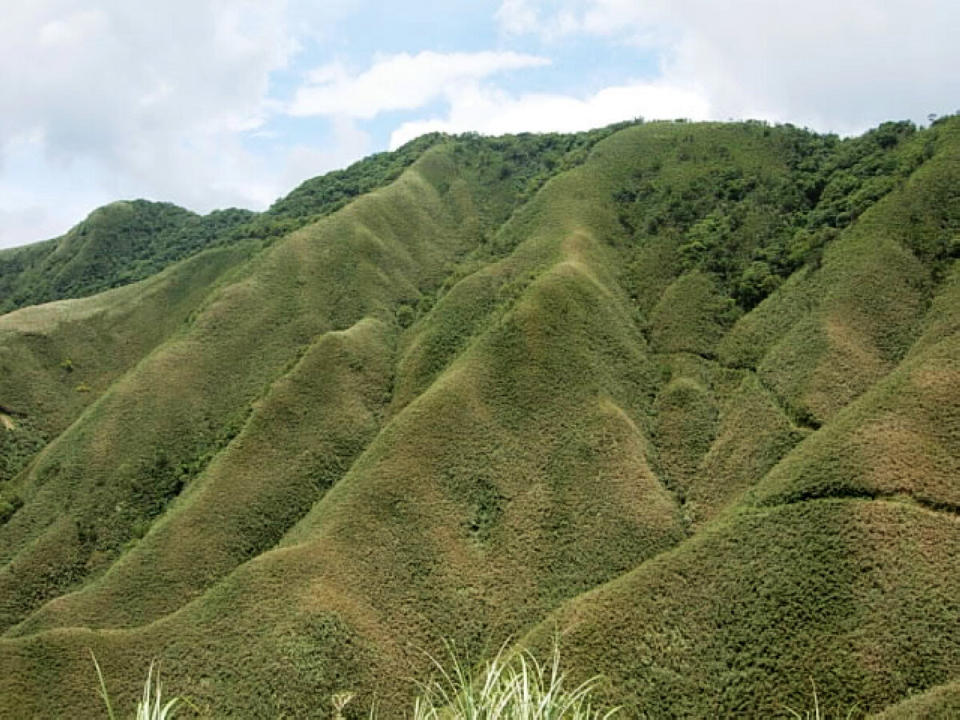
{"x": 124, "y": 242}
{"x": 687, "y": 394}
{"x": 116, "y": 245}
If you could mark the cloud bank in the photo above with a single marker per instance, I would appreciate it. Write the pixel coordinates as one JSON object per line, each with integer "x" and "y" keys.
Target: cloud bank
{"x": 493, "y": 112}
{"x": 116, "y": 98}
{"x": 211, "y": 103}
{"x": 400, "y": 82}
{"x": 837, "y": 66}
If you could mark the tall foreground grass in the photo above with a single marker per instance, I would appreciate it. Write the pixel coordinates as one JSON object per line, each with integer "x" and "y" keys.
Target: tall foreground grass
{"x": 151, "y": 705}
{"x": 818, "y": 713}
{"x": 509, "y": 687}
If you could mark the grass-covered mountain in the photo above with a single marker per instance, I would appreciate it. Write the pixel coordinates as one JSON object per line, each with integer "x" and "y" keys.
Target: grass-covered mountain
{"x": 687, "y": 394}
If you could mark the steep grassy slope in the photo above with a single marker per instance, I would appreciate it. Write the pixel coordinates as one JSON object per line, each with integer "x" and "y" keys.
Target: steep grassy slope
{"x": 860, "y": 596}
{"x": 939, "y": 703}
{"x": 57, "y": 359}
{"x": 853, "y": 554}
{"x": 477, "y": 522}
{"x": 247, "y": 336}
{"x": 60, "y": 361}
{"x": 687, "y": 393}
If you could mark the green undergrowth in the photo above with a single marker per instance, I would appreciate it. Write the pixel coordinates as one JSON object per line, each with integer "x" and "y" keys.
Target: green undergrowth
{"x": 151, "y": 705}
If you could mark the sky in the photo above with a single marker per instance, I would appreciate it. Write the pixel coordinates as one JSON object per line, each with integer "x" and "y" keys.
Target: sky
{"x": 232, "y": 103}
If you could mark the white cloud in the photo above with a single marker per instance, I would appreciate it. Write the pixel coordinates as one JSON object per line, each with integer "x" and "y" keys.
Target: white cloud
{"x": 137, "y": 99}
{"x": 410, "y": 82}
{"x": 302, "y": 162}
{"x": 38, "y": 202}
{"x": 101, "y": 81}
{"x": 841, "y": 66}
{"x": 520, "y": 17}
{"x": 30, "y": 221}
{"x": 493, "y": 112}
{"x": 400, "y": 82}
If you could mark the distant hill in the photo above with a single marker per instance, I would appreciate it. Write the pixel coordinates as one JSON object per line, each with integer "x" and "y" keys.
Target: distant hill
{"x": 687, "y": 394}
{"x": 117, "y": 244}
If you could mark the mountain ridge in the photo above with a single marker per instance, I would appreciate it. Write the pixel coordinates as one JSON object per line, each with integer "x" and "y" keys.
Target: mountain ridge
{"x": 531, "y": 383}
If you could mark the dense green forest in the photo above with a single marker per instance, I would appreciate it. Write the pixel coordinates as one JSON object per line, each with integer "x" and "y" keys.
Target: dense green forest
{"x": 685, "y": 396}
